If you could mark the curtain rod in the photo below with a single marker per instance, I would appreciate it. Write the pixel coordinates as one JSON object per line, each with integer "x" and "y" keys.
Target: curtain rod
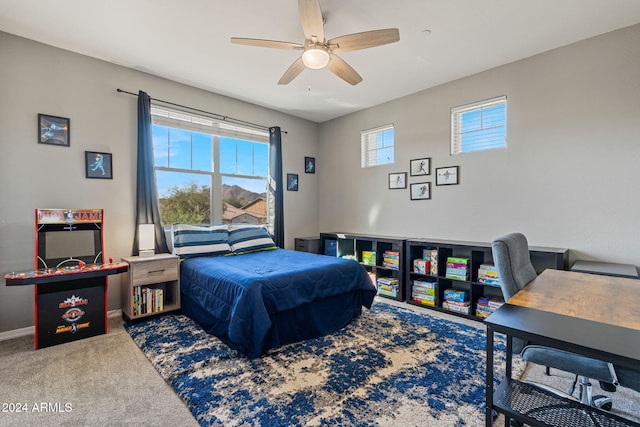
{"x": 217, "y": 116}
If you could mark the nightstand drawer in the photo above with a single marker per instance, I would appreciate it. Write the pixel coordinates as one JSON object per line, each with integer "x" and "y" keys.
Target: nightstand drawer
{"x": 307, "y": 244}
{"x": 156, "y": 271}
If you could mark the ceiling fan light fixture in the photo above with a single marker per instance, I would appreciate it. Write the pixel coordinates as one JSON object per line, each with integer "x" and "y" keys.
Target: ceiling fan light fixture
{"x": 315, "y": 58}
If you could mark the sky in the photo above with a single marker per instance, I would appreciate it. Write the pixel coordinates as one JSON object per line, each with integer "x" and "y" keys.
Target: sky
{"x": 192, "y": 153}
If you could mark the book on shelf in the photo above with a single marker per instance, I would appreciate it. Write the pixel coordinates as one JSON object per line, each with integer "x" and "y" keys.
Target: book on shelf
{"x": 464, "y": 309}
{"x": 388, "y": 286}
{"x": 457, "y": 268}
{"x": 457, "y": 271}
{"x": 391, "y": 259}
{"x": 461, "y": 277}
{"x": 425, "y": 284}
{"x": 424, "y": 301}
{"x": 488, "y": 275}
{"x": 368, "y": 258}
{"x": 431, "y": 255}
{"x": 421, "y": 266}
{"x": 423, "y": 291}
{"x": 147, "y": 300}
{"x": 457, "y": 295}
{"x": 487, "y": 305}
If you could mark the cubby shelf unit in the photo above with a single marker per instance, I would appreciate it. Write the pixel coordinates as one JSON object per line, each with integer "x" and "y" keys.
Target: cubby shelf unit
{"x": 477, "y": 253}
{"x": 346, "y": 245}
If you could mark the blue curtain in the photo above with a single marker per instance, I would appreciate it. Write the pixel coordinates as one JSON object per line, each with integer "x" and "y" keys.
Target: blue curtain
{"x": 276, "y": 201}
{"x": 147, "y": 207}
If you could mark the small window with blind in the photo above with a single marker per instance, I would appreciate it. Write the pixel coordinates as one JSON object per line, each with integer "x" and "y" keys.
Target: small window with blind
{"x": 377, "y": 146}
{"x": 479, "y": 126}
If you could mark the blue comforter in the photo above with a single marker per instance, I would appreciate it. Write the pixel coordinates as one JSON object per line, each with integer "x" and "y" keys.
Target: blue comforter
{"x": 237, "y": 297}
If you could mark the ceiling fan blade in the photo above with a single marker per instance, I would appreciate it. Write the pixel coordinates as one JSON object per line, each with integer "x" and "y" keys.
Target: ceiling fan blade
{"x": 266, "y": 43}
{"x": 364, "y": 40}
{"x": 311, "y": 19}
{"x": 292, "y": 72}
{"x": 343, "y": 70}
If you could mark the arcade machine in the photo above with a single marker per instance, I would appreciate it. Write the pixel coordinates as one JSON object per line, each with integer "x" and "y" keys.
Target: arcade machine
{"x": 70, "y": 276}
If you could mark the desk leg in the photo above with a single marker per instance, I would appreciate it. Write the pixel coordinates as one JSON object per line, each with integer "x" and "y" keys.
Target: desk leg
{"x": 509, "y": 356}
{"x": 489, "y": 379}
{"x": 508, "y": 369}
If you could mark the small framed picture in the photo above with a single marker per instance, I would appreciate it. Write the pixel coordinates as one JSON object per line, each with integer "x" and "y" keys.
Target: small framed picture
{"x": 98, "y": 165}
{"x": 447, "y": 176}
{"x": 419, "y": 167}
{"x": 397, "y": 180}
{"x": 309, "y": 165}
{"x": 53, "y": 130}
{"x": 292, "y": 182}
{"x": 420, "y": 190}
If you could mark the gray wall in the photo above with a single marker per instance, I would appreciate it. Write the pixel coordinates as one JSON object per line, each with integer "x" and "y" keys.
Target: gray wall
{"x": 35, "y": 78}
{"x": 568, "y": 177}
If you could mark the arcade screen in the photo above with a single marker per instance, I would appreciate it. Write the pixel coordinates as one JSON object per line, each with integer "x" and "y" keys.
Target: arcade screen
{"x": 55, "y": 247}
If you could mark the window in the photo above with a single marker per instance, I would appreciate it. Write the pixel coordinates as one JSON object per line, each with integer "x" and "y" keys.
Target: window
{"x": 479, "y": 126}
{"x": 377, "y": 146}
{"x": 209, "y": 172}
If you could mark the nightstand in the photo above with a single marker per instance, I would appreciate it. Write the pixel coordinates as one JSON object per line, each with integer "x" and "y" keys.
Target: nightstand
{"x": 151, "y": 286}
{"x": 308, "y": 244}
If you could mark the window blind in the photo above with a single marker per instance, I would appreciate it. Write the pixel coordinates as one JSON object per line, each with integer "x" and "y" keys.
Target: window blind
{"x": 377, "y": 146}
{"x": 479, "y": 126}
{"x": 180, "y": 119}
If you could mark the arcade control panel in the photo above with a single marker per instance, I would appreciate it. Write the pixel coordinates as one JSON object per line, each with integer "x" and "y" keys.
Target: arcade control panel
{"x": 51, "y": 275}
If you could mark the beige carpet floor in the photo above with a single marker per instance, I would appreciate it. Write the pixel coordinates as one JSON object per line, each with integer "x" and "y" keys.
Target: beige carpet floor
{"x": 98, "y": 381}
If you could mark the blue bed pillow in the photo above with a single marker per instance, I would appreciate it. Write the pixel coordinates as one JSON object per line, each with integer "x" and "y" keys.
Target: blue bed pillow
{"x": 198, "y": 240}
{"x": 249, "y": 238}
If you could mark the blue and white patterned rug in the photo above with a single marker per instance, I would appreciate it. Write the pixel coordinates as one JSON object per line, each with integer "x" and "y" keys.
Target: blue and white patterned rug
{"x": 390, "y": 367}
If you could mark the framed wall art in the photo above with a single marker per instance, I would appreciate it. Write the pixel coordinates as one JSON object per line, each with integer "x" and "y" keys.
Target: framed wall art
{"x": 419, "y": 167}
{"x": 420, "y": 190}
{"x": 54, "y": 130}
{"x": 309, "y": 165}
{"x": 397, "y": 180}
{"x": 447, "y": 176}
{"x": 292, "y": 182}
{"x": 98, "y": 165}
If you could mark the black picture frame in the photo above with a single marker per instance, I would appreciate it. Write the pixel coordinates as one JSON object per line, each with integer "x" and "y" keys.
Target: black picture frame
{"x": 448, "y": 175}
{"x": 420, "y": 191}
{"x": 397, "y": 180}
{"x": 420, "y": 167}
{"x": 54, "y": 130}
{"x": 309, "y": 165}
{"x": 292, "y": 182}
{"x": 98, "y": 165}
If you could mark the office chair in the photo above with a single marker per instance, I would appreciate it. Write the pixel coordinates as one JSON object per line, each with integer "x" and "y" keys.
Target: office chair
{"x": 515, "y": 271}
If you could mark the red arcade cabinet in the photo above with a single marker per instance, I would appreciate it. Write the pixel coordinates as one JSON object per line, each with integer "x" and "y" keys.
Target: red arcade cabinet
{"x": 70, "y": 276}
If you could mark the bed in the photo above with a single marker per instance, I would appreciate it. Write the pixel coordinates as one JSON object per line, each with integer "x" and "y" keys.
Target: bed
{"x": 255, "y": 296}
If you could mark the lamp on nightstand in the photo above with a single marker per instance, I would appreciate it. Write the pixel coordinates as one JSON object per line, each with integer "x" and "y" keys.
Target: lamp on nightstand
{"x": 146, "y": 240}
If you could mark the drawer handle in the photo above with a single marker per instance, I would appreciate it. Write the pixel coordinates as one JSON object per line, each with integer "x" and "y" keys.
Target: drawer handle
{"x": 156, "y": 271}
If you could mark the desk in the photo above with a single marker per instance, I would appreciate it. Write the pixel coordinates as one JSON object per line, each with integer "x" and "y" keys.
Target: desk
{"x": 578, "y": 312}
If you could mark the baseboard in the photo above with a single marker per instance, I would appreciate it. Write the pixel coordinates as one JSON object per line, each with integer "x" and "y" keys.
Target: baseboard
{"x": 30, "y": 330}
{"x": 17, "y": 333}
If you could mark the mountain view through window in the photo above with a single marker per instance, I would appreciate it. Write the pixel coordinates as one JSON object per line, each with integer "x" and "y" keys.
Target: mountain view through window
{"x": 205, "y": 178}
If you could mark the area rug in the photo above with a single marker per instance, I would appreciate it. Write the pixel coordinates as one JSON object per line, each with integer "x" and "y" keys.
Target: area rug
{"x": 391, "y": 366}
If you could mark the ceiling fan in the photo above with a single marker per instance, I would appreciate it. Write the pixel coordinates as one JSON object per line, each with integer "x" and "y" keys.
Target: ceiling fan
{"x": 317, "y": 52}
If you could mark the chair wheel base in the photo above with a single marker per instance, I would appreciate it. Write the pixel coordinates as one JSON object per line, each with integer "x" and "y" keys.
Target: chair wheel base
{"x": 603, "y": 402}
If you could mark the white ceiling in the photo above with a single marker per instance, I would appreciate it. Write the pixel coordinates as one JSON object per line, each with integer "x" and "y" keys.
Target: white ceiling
{"x": 188, "y": 41}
